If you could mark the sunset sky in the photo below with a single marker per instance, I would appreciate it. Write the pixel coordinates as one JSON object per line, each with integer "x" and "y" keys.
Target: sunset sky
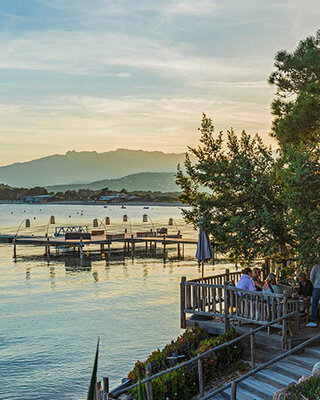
{"x": 103, "y": 74}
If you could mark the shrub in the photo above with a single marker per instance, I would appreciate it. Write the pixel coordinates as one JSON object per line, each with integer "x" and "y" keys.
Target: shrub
{"x": 182, "y": 384}
{"x": 310, "y": 390}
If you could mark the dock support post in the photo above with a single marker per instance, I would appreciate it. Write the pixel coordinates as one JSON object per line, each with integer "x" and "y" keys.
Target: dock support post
{"x": 179, "y": 255}
{"x": 14, "y": 248}
{"x": 132, "y": 247}
{"x": 149, "y": 384}
{"x": 48, "y": 248}
{"x": 182, "y": 303}
{"x": 109, "y": 250}
{"x": 81, "y": 249}
{"x": 102, "y": 248}
{"x": 164, "y": 248}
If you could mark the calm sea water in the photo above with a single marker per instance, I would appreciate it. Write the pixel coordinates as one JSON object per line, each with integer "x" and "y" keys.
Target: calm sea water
{"x": 52, "y": 314}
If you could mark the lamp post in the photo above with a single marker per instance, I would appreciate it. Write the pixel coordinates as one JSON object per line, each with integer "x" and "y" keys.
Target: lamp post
{"x": 145, "y": 218}
{"x": 125, "y": 218}
{"x": 27, "y": 225}
{"x": 51, "y": 221}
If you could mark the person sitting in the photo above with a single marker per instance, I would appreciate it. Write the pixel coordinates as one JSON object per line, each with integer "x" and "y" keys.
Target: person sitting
{"x": 271, "y": 284}
{"x": 305, "y": 287}
{"x": 245, "y": 282}
{"x": 256, "y": 279}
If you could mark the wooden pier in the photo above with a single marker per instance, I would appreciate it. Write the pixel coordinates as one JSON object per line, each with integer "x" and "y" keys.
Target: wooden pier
{"x": 102, "y": 242}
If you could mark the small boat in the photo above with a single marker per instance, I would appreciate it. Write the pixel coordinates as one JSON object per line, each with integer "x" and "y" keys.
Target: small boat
{"x": 105, "y": 206}
{"x": 146, "y": 208}
{"x": 123, "y": 207}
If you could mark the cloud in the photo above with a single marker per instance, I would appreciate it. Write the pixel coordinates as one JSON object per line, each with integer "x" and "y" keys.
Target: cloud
{"x": 95, "y": 53}
{"x": 168, "y": 123}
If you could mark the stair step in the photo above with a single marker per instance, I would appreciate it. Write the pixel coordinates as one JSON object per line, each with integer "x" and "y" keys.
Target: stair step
{"x": 313, "y": 351}
{"x": 304, "y": 360}
{"x": 291, "y": 370}
{"x": 242, "y": 394}
{"x": 274, "y": 378}
{"x": 260, "y": 389}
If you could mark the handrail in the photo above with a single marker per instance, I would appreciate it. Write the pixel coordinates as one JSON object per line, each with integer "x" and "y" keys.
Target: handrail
{"x": 205, "y": 354}
{"x": 262, "y": 366}
{"x": 233, "y": 273}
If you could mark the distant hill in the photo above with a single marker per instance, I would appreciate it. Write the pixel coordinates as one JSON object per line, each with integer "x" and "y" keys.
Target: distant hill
{"x": 154, "y": 181}
{"x": 86, "y": 166}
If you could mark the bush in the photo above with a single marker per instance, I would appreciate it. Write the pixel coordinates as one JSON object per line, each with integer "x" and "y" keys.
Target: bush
{"x": 182, "y": 384}
{"x": 310, "y": 390}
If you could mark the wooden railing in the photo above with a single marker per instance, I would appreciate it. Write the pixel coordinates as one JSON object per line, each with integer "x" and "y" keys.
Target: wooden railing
{"x": 220, "y": 279}
{"x": 233, "y": 384}
{"x": 199, "y": 360}
{"x": 230, "y": 303}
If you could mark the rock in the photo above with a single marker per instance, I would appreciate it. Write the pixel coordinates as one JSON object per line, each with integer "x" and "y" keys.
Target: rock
{"x": 316, "y": 369}
{"x": 281, "y": 394}
{"x": 303, "y": 379}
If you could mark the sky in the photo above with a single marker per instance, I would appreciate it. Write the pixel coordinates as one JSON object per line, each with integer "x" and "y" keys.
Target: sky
{"x": 105, "y": 74}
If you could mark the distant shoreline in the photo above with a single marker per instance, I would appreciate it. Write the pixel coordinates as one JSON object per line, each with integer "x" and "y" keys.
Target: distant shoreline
{"x": 131, "y": 203}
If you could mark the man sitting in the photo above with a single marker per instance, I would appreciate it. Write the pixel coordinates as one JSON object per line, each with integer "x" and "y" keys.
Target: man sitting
{"x": 305, "y": 287}
{"x": 245, "y": 282}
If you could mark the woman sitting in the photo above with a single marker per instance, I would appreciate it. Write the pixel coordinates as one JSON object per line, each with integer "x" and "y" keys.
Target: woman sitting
{"x": 271, "y": 284}
{"x": 256, "y": 279}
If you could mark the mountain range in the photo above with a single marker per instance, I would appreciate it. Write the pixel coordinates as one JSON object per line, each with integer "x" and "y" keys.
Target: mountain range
{"x": 84, "y": 167}
{"x": 144, "y": 181}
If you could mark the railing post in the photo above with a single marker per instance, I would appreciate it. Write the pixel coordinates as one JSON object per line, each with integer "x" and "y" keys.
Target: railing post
{"x": 285, "y": 321}
{"x": 200, "y": 375}
{"x": 149, "y": 384}
{"x": 227, "y": 275}
{"x": 226, "y": 307}
{"x": 233, "y": 394}
{"x": 105, "y": 388}
{"x": 252, "y": 350}
{"x": 97, "y": 391}
{"x": 182, "y": 302}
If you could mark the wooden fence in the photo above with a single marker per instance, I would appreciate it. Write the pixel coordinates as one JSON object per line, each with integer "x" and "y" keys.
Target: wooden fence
{"x": 225, "y": 301}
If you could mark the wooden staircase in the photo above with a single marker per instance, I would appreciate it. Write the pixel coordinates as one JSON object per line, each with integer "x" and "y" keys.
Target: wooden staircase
{"x": 265, "y": 383}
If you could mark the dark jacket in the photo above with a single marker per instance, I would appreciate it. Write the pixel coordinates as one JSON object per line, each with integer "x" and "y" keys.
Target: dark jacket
{"x": 305, "y": 290}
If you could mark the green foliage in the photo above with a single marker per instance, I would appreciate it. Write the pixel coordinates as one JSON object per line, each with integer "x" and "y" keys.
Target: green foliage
{"x": 140, "y": 394}
{"x": 296, "y": 107}
{"x": 182, "y": 384}
{"x": 242, "y": 207}
{"x": 10, "y": 193}
{"x": 287, "y": 273}
{"x": 309, "y": 390}
{"x": 300, "y": 179}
